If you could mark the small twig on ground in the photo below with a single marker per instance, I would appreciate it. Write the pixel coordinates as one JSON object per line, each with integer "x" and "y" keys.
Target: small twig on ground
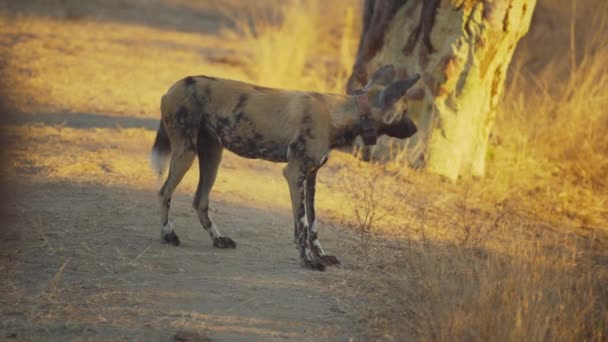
{"x": 55, "y": 281}
{"x": 86, "y": 246}
{"x": 240, "y": 303}
{"x": 142, "y": 253}
{"x": 120, "y": 254}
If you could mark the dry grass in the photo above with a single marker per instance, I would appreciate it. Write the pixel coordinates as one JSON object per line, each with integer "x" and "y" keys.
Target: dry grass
{"x": 551, "y": 139}
{"x": 373, "y": 201}
{"x": 294, "y": 45}
{"x": 86, "y": 66}
{"x": 457, "y": 270}
{"x": 436, "y": 291}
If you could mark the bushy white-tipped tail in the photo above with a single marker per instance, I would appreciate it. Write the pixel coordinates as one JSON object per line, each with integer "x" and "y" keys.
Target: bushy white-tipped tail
{"x": 159, "y": 158}
{"x": 159, "y": 161}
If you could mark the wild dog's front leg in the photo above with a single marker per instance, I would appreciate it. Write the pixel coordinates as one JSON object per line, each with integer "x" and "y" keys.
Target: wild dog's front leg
{"x": 295, "y": 178}
{"x": 313, "y": 238}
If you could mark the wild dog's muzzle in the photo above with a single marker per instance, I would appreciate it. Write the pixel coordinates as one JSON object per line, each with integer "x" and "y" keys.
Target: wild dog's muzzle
{"x": 401, "y": 129}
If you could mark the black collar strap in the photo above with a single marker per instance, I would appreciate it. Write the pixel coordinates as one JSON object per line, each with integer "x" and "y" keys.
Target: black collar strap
{"x": 369, "y": 134}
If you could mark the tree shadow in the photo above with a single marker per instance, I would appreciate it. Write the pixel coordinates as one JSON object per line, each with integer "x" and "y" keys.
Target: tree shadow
{"x": 169, "y": 15}
{"x": 78, "y": 120}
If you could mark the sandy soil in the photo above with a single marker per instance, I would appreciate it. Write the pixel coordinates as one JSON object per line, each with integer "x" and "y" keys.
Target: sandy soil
{"x": 84, "y": 261}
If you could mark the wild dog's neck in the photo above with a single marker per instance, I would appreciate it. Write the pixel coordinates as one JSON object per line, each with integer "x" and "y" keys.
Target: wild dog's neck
{"x": 345, "y": 121}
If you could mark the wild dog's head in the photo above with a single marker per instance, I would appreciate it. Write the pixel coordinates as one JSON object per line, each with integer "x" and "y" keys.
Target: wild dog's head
{"x": 389, "y": 109}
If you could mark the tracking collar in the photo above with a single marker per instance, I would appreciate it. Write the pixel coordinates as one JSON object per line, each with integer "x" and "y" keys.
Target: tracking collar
{"x": 369, "y": 133}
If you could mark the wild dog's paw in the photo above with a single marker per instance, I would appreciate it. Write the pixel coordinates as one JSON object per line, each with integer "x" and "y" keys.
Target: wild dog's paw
{"x": 170, "y": 238}
{"x": 330, "y": 260}
{"x": 224, "y": 242}
{"x": 315, "y": 265}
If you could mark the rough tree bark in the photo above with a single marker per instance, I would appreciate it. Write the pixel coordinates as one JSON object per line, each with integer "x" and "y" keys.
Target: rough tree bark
{"x": 462, "y": 49}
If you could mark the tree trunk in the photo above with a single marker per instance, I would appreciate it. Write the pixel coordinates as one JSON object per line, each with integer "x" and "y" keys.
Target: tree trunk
{"x": 462, "y": 49}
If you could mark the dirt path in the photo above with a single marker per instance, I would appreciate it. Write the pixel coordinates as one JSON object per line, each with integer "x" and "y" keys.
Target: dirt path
{"x": 86, "y": 262}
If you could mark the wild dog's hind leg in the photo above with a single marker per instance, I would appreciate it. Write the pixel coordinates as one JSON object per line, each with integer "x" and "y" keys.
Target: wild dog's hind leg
{"x": 209, "y": 157}
{"x": 181, "y": 160}
{"x": 328, "y": 260}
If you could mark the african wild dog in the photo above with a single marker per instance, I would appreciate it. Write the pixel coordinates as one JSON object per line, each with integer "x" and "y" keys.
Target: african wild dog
{"x": 202, "y": 115}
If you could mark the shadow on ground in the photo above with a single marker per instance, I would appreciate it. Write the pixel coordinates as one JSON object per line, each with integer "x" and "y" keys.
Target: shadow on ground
{"x": 79, "y": 120}
{"x": 203, "y": 17}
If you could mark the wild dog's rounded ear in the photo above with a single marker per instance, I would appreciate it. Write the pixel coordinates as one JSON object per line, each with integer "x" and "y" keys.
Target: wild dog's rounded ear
{"x": 395, "y": 91}
{"x": 383, "y": 76}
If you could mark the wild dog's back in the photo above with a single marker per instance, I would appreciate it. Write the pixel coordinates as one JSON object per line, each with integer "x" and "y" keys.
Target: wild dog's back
{"x": 251, "y": 121}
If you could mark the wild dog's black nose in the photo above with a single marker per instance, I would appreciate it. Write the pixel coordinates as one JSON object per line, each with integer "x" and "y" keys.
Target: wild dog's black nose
{"x": 410, "y": 127}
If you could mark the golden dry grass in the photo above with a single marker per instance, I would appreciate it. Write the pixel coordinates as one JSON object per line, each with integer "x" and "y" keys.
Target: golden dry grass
{"x": 307, "y": 45}
{"x": 551, "y": 138}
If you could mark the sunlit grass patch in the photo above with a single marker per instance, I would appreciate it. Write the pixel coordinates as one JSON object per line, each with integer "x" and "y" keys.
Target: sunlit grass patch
{"x": 102, "y": 67}
{"x": 306, "y": 45}
{"x": 551, "y": 138}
